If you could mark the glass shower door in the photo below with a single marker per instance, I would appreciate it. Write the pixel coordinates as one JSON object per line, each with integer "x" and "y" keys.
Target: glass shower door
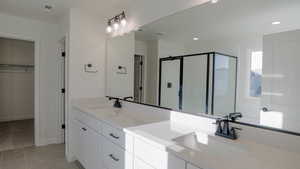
{"x": 170, "y": 84}
{"x": 224, "y": 85}
{"x": 194, "y": 87}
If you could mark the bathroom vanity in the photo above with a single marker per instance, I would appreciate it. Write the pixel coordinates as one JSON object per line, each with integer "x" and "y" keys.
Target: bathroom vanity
{"x": 180, "y": 79}
{"x": 126, "y": 138}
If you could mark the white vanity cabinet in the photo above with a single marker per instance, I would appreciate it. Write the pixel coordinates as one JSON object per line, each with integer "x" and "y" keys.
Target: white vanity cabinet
{"x": 97, "y": 145}
{"x": 148, "y": 156}
{"x": 87, "y": 146}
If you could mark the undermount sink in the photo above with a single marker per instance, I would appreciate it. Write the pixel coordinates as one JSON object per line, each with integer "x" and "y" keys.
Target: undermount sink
{"x": 202, "y": 142}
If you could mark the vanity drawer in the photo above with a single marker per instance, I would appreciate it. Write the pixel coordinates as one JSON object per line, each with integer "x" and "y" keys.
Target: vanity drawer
{"x": 87, "y": 120}
{"x": 118, "y": 137}
{"x": 156, "y": 157}
{"x": 115, "y": 157}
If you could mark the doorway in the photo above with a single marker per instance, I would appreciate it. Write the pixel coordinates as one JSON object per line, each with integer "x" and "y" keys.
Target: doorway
{"x": 139, "y": 78}
{"x": 17, "y": 98}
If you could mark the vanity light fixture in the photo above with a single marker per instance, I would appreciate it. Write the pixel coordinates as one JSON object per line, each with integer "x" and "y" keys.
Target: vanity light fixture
{"x": 109, "y": 28}
{"x": 214, "y": 1}
{"x": 48, "y": 8}
{"x": 115, "y": 22}
{"x": 276, "y": 23}
{"x": 123, "y": 19}
{"x": 116, "y": 26}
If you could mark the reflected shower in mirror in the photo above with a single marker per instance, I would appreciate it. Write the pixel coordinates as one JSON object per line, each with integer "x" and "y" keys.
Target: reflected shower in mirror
{"x": 215, "y": 59}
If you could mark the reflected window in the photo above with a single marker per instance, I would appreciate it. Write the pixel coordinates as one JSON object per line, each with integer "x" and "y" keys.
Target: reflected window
{"x": 256, "y": 74}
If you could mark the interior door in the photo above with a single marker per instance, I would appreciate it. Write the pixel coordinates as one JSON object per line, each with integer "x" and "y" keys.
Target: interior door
{"x": 138, "y": 78}
{"x": 170, "y": 84}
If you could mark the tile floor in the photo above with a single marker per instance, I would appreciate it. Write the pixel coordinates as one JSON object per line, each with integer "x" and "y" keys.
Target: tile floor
{"x": 16, "y": 134}
{"x": 47, "y": 157}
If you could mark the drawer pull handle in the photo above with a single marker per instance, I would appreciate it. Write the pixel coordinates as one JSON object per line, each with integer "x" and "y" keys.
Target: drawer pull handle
{"x": 84, "y": 129}
{"x": 113, "y": 136}
{"x": 113, "y": 157}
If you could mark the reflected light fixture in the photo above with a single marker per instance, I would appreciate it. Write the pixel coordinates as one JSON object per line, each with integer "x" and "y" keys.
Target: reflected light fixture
{"x": 195, "y": 38}
{"x": 109, "y": 28}
{"x": 116, "y": 26}
{"x": 115, "y": 22}
{"x": 123, "y": 19}
{"x": 214, "y": 1}
{"x": 275, "y": 23}
{"x": 48, "y": 7}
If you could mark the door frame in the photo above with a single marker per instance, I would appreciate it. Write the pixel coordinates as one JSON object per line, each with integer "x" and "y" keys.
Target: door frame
{"x": 37, "y": 137}
{"x": 62, "y": 85}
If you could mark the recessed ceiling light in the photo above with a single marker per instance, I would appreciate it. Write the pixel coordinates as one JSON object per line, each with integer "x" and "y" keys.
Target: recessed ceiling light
{"x": 195, "y": 38}
{"x": 214, "y": 1}
{"x": 48, "y": 7}
{"x": 275, "y": 23}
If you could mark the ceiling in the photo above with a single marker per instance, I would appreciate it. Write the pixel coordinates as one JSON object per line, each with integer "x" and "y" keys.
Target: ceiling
{"x": 228, "y": 19}
{"x": 35, "y": 8}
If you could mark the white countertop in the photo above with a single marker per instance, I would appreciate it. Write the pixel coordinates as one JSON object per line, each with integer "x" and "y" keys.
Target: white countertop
{"x": 202, "y": 148}
{"x": 213, "y": 152}
{"x": 116, "y": 117}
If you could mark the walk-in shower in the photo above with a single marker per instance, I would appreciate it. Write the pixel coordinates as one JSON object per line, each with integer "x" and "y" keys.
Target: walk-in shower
{"x": 199, "y": 83}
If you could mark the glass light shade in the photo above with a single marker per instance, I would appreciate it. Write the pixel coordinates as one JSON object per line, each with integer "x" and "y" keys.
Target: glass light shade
{"x": 109, "y": 29}
{"x": 116, "y": 26}
{"x": 123, "y": 22}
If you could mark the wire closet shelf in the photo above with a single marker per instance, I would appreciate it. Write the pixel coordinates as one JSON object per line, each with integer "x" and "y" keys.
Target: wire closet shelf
{"x": 16, "y": 68}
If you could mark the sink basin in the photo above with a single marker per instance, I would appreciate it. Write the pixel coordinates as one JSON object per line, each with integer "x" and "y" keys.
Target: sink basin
{"x": 202, "y": 142}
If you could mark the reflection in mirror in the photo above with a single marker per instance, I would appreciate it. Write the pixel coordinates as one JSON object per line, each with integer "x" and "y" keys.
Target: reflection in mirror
{"x": 216, "y": 59}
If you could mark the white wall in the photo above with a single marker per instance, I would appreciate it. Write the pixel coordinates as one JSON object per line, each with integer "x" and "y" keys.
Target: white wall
{"x": 16, "y": 86}
{"x": 46, "y": 35}
{"x": 120, "y": 52}
{"x": 86, "y": 45}
{"x": 152, "y": 72}
{"x": 280, "y": 87}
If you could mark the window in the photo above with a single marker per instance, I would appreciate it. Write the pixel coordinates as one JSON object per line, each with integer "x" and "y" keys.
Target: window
{"x": 256, "y": 74}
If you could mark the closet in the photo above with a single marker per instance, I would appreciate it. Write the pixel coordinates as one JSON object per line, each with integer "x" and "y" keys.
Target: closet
{"x": 16, "y": 93}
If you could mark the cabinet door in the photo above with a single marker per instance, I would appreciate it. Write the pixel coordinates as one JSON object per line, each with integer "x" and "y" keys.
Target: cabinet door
{"x": 77, "y": 141}
{"x": 91, "y": 149}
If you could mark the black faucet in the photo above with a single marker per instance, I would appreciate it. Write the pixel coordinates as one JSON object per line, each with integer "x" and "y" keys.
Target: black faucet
{"x": 234, "y": 116}
{"x": 224, "y": 130}
{"x": 117, "y": 103}
{"x": 126, "y": 98}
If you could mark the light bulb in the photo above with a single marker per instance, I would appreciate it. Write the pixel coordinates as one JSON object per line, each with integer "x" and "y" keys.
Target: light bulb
{"x": 123, "y": 22}
{"x": 116, "y": 26}
{"x": 275, "y": 23}
{"x": 214, "y": 1}
{"x": 109, "y": 29}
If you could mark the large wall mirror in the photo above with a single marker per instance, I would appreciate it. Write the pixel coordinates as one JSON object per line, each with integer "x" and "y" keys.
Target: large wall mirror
{"x": 215, "y": 59}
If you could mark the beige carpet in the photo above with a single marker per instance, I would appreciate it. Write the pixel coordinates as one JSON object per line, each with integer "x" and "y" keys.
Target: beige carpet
{"x": 16, "y": 134}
